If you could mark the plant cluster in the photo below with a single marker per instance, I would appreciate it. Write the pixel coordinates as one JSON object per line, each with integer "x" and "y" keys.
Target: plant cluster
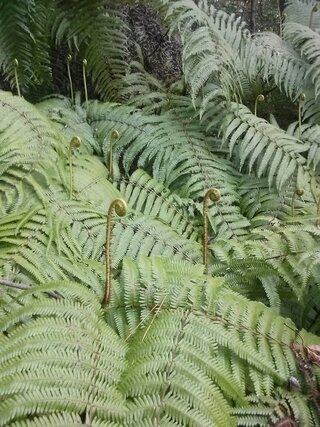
{"x": 160, "y": 246}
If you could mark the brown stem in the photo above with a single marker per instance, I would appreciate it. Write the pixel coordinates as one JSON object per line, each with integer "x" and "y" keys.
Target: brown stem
{"x": 214, "y": 195}
{"x": 120, "y": 208}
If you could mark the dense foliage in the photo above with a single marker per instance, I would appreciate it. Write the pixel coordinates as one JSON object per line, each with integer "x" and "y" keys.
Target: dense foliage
{"x": 109, "y": 316}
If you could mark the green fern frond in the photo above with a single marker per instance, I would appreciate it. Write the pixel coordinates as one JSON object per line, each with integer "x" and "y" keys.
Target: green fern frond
{"x": 307, "y": 42}
{"x": 181, "y": 140}
{"x": 66, "y": 360}
{"x": 34, "y": 142}
{"x": 143, "y": 235}
{"x": 275, "y": 60}
{"x": 205, "y": 51}
{"x": 175, "y": 301}
{"x": 99, "y": 37}
{"x": 266, "y": 207}
{"x": 303, "y": 12}
{"x": 267, "y": 149}
{"x": 309, "y": 134}
{"x": 70, "y": 121}
{"x": 144, "y": 194}
{"x": 279, "y": 260}
{"x": 24, "y": 37}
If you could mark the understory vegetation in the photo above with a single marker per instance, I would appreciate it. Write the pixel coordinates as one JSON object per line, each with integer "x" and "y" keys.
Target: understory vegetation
{"x": 159, "y": 217}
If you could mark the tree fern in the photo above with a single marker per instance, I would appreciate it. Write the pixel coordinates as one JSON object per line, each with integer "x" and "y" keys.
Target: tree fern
{"x": 172, "y": 346}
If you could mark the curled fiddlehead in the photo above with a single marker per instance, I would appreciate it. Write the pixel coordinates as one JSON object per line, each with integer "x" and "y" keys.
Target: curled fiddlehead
{"x": 259, "y": 98}
{"x": 120, "y": 208}
{"x": 214, "y": 195}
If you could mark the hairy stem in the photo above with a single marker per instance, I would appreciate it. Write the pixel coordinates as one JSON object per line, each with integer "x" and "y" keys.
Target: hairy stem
{"x": 259, "y": 98}
{"x": 70, "y": 78}
{"x": 16, "y": 65}
{"x": 318, "y": 212}
{"x": 74, "y": 143}
{"x": 302, "y": 98}
{"x": 214, "y": 195}
{"x": 84, "y": 66}
{"x": 297, "y": 192}
{"x": 114, "y": 136}
{"x": 120, "y": 208}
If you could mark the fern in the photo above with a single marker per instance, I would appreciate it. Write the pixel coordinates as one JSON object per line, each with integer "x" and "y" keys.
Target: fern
{"x": 172, "y": 346}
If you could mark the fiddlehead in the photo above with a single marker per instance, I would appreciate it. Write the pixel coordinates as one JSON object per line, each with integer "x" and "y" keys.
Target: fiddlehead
{"x": 214, "y": 195}
{"x": 259, "y": 98}
{"x": 74, "y": 143}
{"x": 120, "y": 208}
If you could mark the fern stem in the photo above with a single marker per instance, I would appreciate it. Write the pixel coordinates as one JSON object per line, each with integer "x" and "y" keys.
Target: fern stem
{"x": 214, "y": 195}
{"x": 313, "y": 10}
{"x": 120, "y": 208}
{"x": 114, "y": 136}
{"x": 69, "y": 57}
{"x": 280, "y": 19}
{"x": 24, "y": 287}
{"x": 259, "y": 98}
{"x": 297, "y": 192}
{"x": 74, "y": 143}
{"x": 302, "y": 98}
{"x": 84, "y": 66}
{"x": 16, "y": 65}
{"x": 318, "y": 212}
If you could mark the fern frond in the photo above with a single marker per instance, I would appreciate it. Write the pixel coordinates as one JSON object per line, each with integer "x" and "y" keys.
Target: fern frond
{"x": 143, "y": 235}
{"x": 266, "y": 207}
{"x": 144, "y": 194}
{"x": 205, "y": 51}
{"x": 66, "y": 359}
{"x": 175, "y": 301}
{"x": 279, "y": 259}
{"x": 71, "y": 121}
{"x": 99, "y": 37}
{"x": 24, "y": 37}
{"x": 310, "y": 136}
{"x": 176, "y": 138}
{"x": 267, "y": 149}
{"x": 303, "y": 12}
{"x": 307, "y": 42}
